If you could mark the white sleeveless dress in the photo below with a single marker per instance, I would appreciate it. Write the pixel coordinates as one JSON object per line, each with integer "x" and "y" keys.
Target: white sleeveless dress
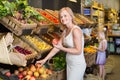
{"x": 76, "y": 64}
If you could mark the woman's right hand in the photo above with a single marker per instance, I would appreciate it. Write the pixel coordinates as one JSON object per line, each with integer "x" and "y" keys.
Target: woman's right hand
{"x": 41, "y": 62}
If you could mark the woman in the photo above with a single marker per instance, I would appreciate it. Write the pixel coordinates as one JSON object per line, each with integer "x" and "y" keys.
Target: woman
{"x": 101, "y": 54}
{"x": 72, "y": 42}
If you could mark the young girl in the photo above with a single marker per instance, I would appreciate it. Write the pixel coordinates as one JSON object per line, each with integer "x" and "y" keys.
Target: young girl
{"x": 101, "y": 54}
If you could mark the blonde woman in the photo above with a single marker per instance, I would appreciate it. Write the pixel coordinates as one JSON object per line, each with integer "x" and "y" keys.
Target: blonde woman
{"x": 71, "y": 42}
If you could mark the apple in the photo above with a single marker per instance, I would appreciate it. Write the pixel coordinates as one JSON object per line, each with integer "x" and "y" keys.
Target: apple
{"x": 8, "y": 74}
{"x": 16, "y": 72}
{"x": 55, "y": 41}
{"x": 38, "y": 66}
{"x": 44, "y": 75}
{"x": 36, "y": 74}
{"x": 32, "y": 78}
{"x": 24, "y": 73}
{"x": 29, "y": 72}
{"x": 41, "y": 70}
{"x": 32, "y": 68}
{"x": 20, "y": 76}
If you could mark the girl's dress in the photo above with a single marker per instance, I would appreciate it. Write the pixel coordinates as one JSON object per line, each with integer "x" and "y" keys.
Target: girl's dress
{"x": 101, "y": 56}
{"x": 76, "y": 64}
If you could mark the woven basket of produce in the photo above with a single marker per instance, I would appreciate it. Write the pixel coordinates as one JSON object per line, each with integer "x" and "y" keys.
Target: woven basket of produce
{"x": 7, "y": 54}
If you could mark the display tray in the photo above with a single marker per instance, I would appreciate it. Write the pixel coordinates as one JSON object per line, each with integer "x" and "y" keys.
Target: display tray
{"x": 54, "y": 13}
{"x": 38, "y": 44}
{"x": 16, "y": 26}
{"x": 44, "y": 22}
{"x": 23, "y": 48}
{"x": 54, "y": 34}
{"x": 46, "y": 37}
{"x": 50, "y": 17}
{"x": 85, "y": 19}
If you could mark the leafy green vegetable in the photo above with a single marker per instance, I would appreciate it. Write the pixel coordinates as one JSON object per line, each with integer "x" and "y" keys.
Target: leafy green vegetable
{"x": 59, "y": 62}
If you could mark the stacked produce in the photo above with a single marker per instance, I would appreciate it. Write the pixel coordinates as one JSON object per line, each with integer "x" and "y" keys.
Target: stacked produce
{"x": 31, "y": 72}
{"x": 90, "y": 50}
{"x": 54, "y": 13}
{"x": 48, "y": 16}
{"x": 22, "y": 50}
{"x": 37, "y": 43}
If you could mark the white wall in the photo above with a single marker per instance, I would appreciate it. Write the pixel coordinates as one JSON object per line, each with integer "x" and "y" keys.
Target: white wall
{"x": 115, "y": 4}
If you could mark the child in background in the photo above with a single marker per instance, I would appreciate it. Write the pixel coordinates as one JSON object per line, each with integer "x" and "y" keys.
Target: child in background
{"x": 101, "y": 53}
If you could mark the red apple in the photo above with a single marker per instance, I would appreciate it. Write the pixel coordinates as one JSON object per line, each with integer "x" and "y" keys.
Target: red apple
{"x": 37, "y": 66}
{"x": 24, "y": 73}
{"x": 8, "y": 74}
{"x": 55, "y": 41}
{"x": 20, "y": 76}
{"x": 32, "y": 78}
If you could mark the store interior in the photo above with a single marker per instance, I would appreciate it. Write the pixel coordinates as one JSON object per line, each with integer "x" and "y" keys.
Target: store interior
{"x": 34, "y": 24}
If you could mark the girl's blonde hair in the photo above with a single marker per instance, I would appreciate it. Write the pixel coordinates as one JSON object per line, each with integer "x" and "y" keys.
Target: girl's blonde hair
{"x": 69, "y": 11}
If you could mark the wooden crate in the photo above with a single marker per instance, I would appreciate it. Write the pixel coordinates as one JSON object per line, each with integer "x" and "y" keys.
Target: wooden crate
{"x": 16, "y": 26}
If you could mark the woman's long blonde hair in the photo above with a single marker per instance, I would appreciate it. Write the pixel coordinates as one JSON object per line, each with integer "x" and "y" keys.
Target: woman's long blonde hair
{"x": 69, "y": 11}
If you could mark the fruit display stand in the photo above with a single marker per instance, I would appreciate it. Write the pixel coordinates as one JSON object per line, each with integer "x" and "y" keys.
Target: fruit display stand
{"x": 16, "y": 26}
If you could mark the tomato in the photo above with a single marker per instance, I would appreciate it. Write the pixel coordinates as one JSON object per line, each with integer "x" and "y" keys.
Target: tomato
{"x": 55, "y": 41}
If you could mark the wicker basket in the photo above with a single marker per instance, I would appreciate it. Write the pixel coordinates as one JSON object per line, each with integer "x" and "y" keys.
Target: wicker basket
{"x": 4, "y": 53}
{"x": 90, "y": 59}
{"x": 61, "y": 75}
